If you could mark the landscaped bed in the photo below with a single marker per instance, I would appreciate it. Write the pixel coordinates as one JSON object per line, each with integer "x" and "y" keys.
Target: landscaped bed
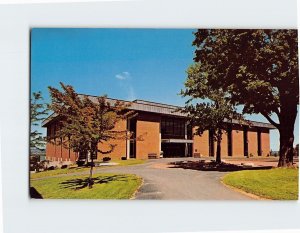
{"x": 276, "y": 184}
{"x": 106, "y": 186}
{"x": 59, "y": 171}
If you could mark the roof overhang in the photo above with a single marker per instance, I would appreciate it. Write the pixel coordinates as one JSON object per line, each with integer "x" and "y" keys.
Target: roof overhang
{"x": 163, "y": 109}
{"x": 173, "y": 140}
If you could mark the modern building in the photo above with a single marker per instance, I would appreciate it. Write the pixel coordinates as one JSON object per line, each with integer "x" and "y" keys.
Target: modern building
{"x": 163, "y": 130}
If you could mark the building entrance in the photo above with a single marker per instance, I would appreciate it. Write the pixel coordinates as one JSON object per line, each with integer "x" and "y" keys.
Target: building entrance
{"x": 172, "y": 150}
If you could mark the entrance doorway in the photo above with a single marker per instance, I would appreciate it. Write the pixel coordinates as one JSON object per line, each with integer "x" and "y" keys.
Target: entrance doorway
{"x": 173, "y": 150}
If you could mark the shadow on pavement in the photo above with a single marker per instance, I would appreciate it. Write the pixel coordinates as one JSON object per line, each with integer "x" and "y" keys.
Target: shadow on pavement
{"x": 213, "y": 166}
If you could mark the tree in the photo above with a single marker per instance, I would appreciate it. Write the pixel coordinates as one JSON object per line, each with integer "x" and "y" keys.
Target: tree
{"x": 38, "y": 112}
{"x": 259, "y": 69}
{"x": 296, "y": 150}
{"x": 84, "y": 123}
{"x": 208, "y": 108}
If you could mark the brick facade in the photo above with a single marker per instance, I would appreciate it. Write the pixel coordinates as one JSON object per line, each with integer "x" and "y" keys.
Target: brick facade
{"x": 148, "y": 130}
{"x": 149, "y": 142}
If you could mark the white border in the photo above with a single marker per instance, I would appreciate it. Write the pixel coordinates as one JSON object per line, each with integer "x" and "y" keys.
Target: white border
{"x": 35, "y": 216}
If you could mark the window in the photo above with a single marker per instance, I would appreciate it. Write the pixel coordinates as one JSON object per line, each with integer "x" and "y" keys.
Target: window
{"x": 211, "y": 143}
{"x": 259, "y": 152}
{"x": 173, "y": 128}
{"x": 229, "y": 140}
{"x": 245, "y": 141}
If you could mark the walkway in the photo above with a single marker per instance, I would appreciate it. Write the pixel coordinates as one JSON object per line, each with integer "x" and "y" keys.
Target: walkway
{"x": 163, "y": 182}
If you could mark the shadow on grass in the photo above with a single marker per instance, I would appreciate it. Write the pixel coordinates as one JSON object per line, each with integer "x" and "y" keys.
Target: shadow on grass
{"x": 213, "y": 166}
{"x": 35, "y": 194}
{"x": 83, "y": 183}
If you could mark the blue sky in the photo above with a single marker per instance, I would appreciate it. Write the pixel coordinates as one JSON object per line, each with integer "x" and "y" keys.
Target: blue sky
{"x": 127, "y": 64}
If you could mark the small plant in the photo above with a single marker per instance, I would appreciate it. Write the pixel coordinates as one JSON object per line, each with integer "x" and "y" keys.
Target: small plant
{"x": 50, "y": 168}
{"x": 80, "y": 163}
{"x": 64, "y": 166}
{"x": 106, "y": 159}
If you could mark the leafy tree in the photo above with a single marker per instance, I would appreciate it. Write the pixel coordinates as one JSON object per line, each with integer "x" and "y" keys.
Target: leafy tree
{"x": 208, "y": 108}
{"x": 296, "y": 150}
{"x": 84, "y": 124}
{"x": 38, "y": 112}
{"x": 259, "y": 69}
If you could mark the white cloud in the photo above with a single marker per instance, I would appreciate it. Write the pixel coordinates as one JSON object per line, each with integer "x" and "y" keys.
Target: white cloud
{"x": 126, "y": 85}
{"x": 123, "y": 76}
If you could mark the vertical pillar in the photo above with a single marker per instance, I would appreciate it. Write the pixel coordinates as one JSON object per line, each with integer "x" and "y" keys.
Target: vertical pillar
{"x": 159, "y": 141}
{"x": 128, "y": 140}
{"x": 185, "y": 137}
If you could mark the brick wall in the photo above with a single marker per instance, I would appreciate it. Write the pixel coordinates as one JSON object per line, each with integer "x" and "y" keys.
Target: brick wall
{"x": 265, "y": 142}
{"x": 120, "y": 148}
{"x": 201, "y": 143}
{"x": 252, "y": 142}
{"x": 148, "y": 128}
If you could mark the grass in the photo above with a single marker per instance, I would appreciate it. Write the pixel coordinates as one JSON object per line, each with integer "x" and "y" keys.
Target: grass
{"x": 276, "y": 184}
{"x": 82, "y": 169}
{"x": 106, "y": 186}
{"x": 58, "y": 172}
{"x": 129, "y": 162}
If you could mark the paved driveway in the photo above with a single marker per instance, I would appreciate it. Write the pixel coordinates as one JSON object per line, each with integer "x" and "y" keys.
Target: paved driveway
{"x": 166, "y": 183}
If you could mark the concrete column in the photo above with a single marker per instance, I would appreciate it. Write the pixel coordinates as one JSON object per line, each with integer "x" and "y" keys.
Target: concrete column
{"x": 128, "y": 140}
{"x": 185, "y": 137}
{"x": 159, "y": 141}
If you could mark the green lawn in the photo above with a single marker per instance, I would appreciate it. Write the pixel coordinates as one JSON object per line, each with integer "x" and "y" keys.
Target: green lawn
{"x": 106, "y": 186}
{"x": 276, "y": 184}
{"x": 58, "y": 172}
{"x": 82, "y": 169}
{"x": 129, "y": 162}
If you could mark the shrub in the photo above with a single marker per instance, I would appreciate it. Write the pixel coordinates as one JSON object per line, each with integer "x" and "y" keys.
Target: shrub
{"x": 123, "y": 158}
{"x": 106, "y": 159}
{"x": 80, "y": 163}
{"x": 51, "y": 168}
{"x": 64, "y": 166}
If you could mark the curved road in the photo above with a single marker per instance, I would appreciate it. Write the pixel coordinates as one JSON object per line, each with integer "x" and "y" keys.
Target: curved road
{"x": 166, "y": 183}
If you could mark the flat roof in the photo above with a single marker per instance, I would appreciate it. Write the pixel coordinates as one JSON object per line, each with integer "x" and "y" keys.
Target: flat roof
{"x": 159, "y": 108}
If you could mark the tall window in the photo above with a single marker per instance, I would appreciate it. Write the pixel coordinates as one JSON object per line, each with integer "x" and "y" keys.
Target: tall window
{"x": 259, "y": 152}
{"x": 173, "y": 128}
{"x": 245, "y": 141}
{"x": 211, "y": 143}
{"x": 229, "y": 140}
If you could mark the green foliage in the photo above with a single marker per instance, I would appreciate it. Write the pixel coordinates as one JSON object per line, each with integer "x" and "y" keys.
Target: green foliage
{"x": 277, "y": 184}
{"x": 38, "y": 112}
{"x": 84, "y": 123}
{"x": 259, "y": 70}
{"x": 258, "y": 67}
{"x": 207, "y": 107}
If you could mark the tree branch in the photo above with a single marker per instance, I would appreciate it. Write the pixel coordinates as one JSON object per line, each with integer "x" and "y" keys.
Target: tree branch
{"x": 270, "y": 119}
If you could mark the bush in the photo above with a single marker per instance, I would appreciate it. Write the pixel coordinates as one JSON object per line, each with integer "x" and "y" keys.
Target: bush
{"x": 80, "y": 163}
{"x": 106, "y": 159}
{"x": 36, "y": 164}
{"x": 51, "y": 168}
{"x": 123, "y": 158}
{"x": 64, "y": 166}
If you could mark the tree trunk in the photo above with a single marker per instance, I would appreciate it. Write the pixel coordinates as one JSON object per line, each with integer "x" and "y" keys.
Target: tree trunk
{"x": 219, "y": 139}
{"x": 90, "y": 180}
{"x": 93, "y": 152}
{"x": 286, "y": 150}
{"x": 286, "y": 131}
